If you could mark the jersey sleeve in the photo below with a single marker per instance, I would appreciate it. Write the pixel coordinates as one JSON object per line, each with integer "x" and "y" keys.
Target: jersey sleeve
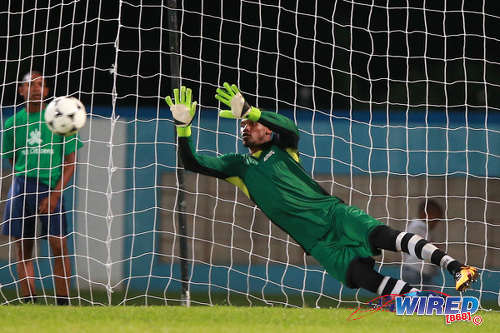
{"x": 8, "y": 140}
{"x": 71, "y": 144}
{"x": 286, "y": 130}
{"x": 223, "y": 167}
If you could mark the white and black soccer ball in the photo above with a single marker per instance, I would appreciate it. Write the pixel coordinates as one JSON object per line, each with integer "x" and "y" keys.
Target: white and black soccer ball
{"x": 65, "y": 115}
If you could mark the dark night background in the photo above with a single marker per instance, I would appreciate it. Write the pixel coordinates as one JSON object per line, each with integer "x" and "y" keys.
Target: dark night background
{"x": 277, "y": 50}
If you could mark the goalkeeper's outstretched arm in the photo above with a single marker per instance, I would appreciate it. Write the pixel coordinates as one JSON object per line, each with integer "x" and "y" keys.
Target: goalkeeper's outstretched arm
{"x": 222, "y": 167}
{"x": 183, "y": 111}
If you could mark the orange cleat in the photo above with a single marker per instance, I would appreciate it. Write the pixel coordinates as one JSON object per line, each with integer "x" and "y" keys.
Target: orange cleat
{"x": 465, "y": 277}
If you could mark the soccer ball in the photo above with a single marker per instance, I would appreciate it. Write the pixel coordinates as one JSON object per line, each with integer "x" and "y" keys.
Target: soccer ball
{"x": 65, "y": 115}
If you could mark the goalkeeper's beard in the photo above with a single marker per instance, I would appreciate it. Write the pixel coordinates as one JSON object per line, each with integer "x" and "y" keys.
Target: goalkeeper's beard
{"x": 252, "y": 145}
{"x": 247, "y": 142}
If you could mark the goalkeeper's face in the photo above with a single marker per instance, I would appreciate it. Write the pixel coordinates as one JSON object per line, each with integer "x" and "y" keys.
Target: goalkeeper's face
{"x": 254, "y": 134}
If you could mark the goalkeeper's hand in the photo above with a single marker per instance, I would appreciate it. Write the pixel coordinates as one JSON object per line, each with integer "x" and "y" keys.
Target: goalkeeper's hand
{"x": 240, "y": 108}
{"x": 183, "y": 110}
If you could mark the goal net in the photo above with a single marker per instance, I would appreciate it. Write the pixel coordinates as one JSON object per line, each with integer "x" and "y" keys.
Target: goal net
{"x": 397, "y": 104}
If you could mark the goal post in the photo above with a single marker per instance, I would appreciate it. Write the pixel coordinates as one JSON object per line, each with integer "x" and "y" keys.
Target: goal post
{"x": 175, "y": 82}
{"x": 396, "y": 103}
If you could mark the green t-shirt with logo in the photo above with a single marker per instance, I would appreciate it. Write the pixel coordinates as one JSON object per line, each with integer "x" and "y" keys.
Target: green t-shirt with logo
{"x": 36, "y": 151}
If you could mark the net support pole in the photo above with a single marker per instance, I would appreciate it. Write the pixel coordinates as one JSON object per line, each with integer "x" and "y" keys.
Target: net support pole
{"x": 181, "y": 217}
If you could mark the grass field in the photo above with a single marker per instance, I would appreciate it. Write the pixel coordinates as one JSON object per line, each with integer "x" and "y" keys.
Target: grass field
{"x": 37, "y": 318}
{"x": 135, "y": 317}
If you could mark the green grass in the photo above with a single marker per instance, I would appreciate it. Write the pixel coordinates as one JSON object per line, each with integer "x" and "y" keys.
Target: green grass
{"x": 135, "y": 297}
{"x": 38, "y": 318}
{"x": 135, "y": 317}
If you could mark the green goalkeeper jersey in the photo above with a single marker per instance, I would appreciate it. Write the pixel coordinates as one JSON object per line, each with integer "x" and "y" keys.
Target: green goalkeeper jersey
{"x": 275, "y": 180}
{"x": 36, "y": 151}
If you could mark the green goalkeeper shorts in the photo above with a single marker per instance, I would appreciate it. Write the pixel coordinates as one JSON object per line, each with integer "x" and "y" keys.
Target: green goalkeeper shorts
{"x": 347, "y": 240}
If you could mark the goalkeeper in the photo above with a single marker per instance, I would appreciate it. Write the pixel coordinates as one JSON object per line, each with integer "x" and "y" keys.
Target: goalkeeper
{"x": 342, "y": 238}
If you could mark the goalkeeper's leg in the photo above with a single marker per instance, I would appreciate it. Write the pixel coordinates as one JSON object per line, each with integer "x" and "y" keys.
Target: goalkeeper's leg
{"x": 361, "y": 274}
{"x": 384, "y": 237}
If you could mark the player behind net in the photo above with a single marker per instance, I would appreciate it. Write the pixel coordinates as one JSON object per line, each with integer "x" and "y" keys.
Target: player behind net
{"x": 340, "y": 237}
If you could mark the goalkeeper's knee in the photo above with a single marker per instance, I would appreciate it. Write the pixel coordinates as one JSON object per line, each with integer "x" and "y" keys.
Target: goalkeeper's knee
{"x": 360, "y": 274}
{"x": 383, "y": 237}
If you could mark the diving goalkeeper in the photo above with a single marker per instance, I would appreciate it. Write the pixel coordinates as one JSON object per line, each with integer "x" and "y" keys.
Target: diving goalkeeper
{"x": 342, "y": 238}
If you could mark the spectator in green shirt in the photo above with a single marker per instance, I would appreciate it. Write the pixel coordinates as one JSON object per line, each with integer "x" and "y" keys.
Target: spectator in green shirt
{"x": 43, "y": 164}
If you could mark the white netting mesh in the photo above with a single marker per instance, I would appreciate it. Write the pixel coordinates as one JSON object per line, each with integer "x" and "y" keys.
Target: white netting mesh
{"x": 395, "y": 101}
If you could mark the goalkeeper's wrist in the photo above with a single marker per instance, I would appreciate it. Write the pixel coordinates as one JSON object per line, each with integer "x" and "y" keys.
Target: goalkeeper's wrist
{"x": 253, "y": 114}
{"x": 183, "y": 131}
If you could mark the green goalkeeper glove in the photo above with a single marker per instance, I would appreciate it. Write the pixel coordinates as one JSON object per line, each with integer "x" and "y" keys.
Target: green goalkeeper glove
{"x": 240, "y": 108}
{"x": 183, "y": 110}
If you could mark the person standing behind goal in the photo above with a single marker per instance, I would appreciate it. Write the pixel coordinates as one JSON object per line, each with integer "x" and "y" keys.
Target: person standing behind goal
{"x": 342, "y": 238}
{"x": 415, "y": 271}
{"x": 43, "y": 164}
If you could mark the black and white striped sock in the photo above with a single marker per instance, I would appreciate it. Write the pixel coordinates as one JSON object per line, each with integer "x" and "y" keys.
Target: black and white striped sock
{"x": 422, "y": 249}
{"x": 391, "y": 286}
